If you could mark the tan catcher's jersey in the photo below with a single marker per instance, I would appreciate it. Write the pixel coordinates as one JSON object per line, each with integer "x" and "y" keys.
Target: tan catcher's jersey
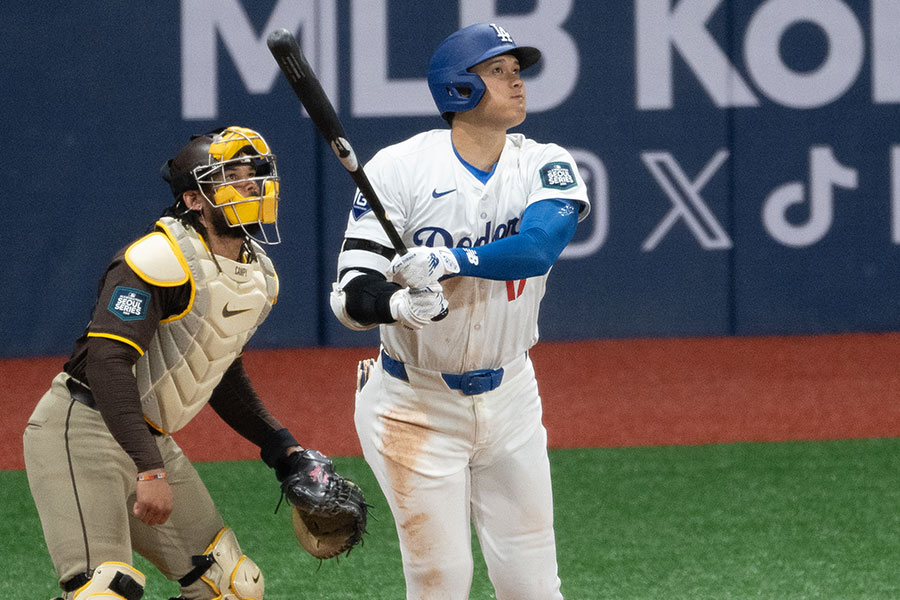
{"x": 434, "y": 200}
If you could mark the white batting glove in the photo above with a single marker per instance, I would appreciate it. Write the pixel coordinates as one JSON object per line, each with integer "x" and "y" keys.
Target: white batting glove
{"x": 415, "y": 308}
{"x": 422, "y": 266}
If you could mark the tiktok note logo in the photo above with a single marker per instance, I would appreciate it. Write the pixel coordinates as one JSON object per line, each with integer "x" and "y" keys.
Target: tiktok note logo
{"x": 825, "y": 174}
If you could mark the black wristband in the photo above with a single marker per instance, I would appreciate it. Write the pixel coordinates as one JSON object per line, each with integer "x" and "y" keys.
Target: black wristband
{"x": 272, "y": 451}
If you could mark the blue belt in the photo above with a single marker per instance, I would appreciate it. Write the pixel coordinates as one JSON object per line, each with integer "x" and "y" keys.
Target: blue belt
{"x": 469, "y": 383}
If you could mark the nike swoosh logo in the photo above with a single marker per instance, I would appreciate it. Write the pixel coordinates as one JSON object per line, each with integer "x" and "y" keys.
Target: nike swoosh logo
{"x": 227, "y": 312}
{"x": 437, "y": 194}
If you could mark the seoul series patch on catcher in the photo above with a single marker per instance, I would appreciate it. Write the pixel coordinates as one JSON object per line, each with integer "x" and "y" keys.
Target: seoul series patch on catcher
{"x": 558, "y": 175}
{"x": 129, "y": 304}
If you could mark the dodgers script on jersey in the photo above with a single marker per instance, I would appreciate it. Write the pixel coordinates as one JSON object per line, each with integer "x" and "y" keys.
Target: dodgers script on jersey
{"x": 434, "y": 200}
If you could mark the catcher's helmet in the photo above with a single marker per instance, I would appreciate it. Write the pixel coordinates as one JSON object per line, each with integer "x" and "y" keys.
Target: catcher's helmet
{"x": 202, "y": 163}
{"x": 452, "y": 86}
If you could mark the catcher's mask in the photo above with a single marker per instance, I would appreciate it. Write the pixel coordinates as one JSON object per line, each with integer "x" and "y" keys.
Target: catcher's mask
{"x": 213, "y": 163}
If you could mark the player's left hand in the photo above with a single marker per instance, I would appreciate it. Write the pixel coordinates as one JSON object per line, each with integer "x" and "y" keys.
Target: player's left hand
{"x": 422, "y": 267}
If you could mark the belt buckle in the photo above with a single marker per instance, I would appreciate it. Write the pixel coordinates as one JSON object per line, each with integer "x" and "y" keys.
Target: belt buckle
{"x": 478, "y": 382}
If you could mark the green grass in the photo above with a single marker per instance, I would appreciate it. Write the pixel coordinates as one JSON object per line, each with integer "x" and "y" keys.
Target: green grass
{"x": 780, "y": 521}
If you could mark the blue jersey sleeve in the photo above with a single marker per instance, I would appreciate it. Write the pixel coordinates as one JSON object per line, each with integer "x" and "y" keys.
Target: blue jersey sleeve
{"x": 546, "y": 227}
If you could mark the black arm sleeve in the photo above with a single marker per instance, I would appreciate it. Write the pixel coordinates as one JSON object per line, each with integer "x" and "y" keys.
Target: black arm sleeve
{"x": 109, "y": 372}
{"x": 369, "y": 298}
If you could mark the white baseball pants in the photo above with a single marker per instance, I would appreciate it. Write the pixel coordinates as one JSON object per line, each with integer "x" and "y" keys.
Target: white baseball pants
{"x": 444, "y": 460}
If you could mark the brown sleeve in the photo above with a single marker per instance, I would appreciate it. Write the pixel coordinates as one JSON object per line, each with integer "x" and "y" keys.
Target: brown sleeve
{"x": 129, "y": 309}
{"x": 109, "y": 371}
{"x": 125, "y": 318}
{"x": 236, "y": 402}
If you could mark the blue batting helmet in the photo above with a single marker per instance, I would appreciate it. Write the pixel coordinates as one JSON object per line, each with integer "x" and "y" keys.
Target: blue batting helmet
{"x": 452, "y": 86}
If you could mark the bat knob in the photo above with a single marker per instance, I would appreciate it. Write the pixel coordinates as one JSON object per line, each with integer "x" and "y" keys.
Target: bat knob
{"x": 440, "y": 316}
{"x": 279, "y": 37}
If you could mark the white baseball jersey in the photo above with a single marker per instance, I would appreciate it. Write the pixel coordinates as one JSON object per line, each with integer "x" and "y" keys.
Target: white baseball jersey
{"x": 434, "y": 200}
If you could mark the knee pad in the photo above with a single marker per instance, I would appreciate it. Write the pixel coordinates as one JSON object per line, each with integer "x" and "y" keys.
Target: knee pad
{"x": 112, "y": 580}
{"x": 231, "y": 574}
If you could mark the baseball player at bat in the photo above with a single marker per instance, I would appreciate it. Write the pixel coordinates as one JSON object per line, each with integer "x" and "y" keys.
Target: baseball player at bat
{"x": 173, "y": 313}
{"x": 449, "y": 416}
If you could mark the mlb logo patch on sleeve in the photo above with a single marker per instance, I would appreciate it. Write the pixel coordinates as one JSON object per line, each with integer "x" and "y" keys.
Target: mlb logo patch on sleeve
{"x": 129, "y": 304}
{"x": 558, "y": 175}
{"x": 360, "y": 206}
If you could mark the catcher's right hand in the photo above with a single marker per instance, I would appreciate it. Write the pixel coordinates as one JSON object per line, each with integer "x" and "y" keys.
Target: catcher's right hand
{"x": 329, "y": 510}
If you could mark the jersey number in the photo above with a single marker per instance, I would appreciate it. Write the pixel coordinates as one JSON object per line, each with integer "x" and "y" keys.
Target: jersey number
{"x": 514, "y": 289}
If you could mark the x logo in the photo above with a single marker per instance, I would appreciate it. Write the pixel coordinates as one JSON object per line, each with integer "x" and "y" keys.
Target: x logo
{"x": 687, "y": 203}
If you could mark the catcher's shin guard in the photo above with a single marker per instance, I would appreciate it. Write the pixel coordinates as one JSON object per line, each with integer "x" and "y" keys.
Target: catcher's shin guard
{"x": 112, "y": 580}
{"x": 229, "y": 573}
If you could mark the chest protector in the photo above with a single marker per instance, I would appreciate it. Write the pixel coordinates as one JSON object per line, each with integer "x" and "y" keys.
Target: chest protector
{"x": 191, "y": 351}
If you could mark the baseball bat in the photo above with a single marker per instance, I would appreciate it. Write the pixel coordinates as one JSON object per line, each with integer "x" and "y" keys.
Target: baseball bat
{"x": 308, "y": 89}
{"x": 306, "y": 85}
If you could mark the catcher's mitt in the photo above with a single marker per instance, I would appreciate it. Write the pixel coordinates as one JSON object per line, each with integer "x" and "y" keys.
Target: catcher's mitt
{"x": 329, "y": 510}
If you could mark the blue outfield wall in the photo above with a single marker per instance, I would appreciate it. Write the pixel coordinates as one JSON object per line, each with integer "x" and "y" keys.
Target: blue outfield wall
{"x": 743, "y": 157}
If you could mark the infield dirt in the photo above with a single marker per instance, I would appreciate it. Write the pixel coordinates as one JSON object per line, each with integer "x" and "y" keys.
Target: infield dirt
{"x": 600, "y": 393}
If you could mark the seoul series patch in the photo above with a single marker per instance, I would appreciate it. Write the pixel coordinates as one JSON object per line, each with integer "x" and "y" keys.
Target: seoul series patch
{"x": 129, "y": 304}
{"x": 360, "y": 206}
{"x": 558, "y": 175}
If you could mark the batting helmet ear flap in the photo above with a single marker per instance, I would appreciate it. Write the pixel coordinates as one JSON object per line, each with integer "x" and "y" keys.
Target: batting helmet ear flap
{"x": 458, "y": 92}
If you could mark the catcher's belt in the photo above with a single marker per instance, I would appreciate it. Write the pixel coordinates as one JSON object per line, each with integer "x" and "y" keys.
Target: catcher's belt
{"x": 80, "y": 392}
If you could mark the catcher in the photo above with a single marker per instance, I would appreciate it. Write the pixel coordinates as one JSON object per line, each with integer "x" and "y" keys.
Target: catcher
{"x": 174, "y": 311}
